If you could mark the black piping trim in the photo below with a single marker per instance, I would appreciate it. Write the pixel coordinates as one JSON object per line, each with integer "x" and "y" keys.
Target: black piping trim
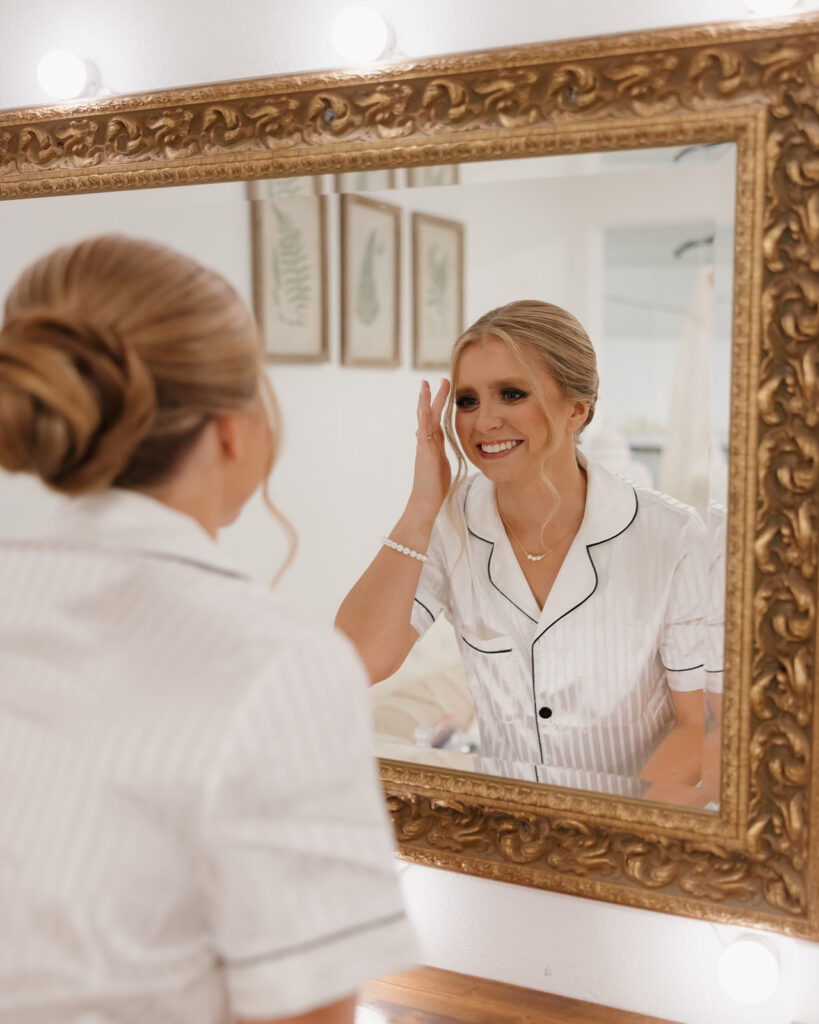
{"x": 183, "y": 560}
{"x": 693, "y": 667}
{"x": 579, "y": 603}
{"x": 505, "y": 650}
{"x": 249, "y": 961}
{"x": 429, "y": 613}
{"x": 714, "y": 671}
{"x": 108, "y": 550}
{"x": 491, "y": 543}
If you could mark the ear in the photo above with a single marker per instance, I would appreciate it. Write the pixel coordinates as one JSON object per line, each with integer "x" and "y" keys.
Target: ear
{"x": 579, "y": 415}
{"x": 229, "y": 435}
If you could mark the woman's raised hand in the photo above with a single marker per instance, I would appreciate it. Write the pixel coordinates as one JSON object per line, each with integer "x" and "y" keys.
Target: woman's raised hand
{"x": 433, "y": 475}
{"x": 377, "y": 613}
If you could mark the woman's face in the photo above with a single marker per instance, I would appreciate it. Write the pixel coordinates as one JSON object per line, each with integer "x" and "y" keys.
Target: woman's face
{"x": 499, "y": 422}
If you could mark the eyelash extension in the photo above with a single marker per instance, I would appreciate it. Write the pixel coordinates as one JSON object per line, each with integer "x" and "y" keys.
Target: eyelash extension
{"x": 469, "y": 401}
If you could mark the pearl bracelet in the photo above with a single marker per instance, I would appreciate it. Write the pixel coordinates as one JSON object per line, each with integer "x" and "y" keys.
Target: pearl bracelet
{"x": 402, "y": 550}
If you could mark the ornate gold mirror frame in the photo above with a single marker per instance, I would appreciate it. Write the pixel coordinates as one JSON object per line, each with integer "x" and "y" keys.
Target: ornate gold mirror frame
{"x": 755, "y": 84}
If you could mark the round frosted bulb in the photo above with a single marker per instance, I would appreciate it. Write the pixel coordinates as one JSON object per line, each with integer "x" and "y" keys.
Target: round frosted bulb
{"x": 360, "y": 35}
{"x": 770, "y": 8}
{"x": 63, "y": 74}
{"x": 748, "y": 971}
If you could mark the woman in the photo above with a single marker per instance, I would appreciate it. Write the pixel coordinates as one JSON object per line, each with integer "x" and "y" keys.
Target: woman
{"x": 576, "y": 598}
{"x": 191, "y": 826}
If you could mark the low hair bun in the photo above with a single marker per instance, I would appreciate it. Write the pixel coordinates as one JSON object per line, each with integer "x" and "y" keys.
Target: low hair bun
{"x": 115, "y": 354}
{"x": 75, "y": 401}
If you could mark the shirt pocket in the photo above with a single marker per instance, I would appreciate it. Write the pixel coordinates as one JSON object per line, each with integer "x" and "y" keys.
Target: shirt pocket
{"x": 487, "y": 645}
{"x": 492, "y": 674}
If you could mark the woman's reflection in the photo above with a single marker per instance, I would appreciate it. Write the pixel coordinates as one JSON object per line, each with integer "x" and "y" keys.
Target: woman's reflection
{"x": 577, "y": 598}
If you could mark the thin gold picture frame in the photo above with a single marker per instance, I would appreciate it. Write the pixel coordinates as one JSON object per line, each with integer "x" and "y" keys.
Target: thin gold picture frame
{"x": 455, "y": 228}
{"x": 260, "y": 213}
{"x": 351, "y": 207}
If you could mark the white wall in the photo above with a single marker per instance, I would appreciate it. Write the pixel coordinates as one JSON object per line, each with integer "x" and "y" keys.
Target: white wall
{"x": 632, "y": 959}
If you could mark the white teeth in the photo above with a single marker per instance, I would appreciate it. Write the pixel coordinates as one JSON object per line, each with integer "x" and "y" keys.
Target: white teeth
{"x": 503, "y": 446}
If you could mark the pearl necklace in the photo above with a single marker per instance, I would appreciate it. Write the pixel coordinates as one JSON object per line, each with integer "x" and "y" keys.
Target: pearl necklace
{"x": 534, "y": 558}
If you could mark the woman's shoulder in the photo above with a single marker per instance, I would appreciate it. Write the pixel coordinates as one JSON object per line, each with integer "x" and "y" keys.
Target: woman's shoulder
{"x": 252, "y": 631}
{"x": 666, "y": 507}
{"x": 664, "y": 516}
{"x": 467, "y": 496}
{"x": 260, "y": 611}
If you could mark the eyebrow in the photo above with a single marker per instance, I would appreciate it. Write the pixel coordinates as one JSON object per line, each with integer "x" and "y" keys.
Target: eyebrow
{"x": 499, "y": 385}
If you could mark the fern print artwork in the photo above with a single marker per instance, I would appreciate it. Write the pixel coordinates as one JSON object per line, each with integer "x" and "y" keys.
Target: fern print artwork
{"x": 438, "y": 297}
{"x": 370, "y": 236}
{"x": 291, "y": 279}
{"x": 438, "y": 292}
{"x": 289, "y": 255}
{"x": 367, "y": 304}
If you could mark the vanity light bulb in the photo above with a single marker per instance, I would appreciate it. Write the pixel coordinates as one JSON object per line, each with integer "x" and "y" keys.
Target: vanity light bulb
{"x": 361, "y": 35}
{"x": 63, "y": 75}
{"x": 770, "y": 8}
{"x": 748, "y": 970}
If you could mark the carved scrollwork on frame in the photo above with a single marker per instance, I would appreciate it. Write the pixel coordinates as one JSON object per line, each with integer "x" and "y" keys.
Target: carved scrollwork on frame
{"x": 301, "y": 119}
{"x": 563, "y": 846}
{"x": 752, "y": 83}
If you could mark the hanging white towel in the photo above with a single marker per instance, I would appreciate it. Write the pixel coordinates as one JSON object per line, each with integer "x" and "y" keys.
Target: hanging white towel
{"x": 685, "y": 465}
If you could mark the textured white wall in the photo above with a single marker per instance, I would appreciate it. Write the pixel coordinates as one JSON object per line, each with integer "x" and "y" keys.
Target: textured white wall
{"x": 632, "y": 959}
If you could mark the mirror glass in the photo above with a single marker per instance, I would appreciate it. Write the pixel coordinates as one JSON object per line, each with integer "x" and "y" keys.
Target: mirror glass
{"x": 363, "y": 281}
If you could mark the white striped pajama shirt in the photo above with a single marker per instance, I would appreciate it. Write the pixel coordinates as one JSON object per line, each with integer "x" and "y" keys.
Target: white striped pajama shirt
{"x": 191, "y": 821}
{"x": 577, "y": 694}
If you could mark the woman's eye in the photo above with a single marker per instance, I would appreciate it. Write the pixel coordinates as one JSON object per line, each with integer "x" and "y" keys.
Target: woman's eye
{"x": 512, "y": 394}
{"x": 466, "y": 402}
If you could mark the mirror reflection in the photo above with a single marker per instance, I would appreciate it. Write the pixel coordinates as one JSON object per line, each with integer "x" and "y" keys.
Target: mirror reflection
{"x": 575, "y": 642}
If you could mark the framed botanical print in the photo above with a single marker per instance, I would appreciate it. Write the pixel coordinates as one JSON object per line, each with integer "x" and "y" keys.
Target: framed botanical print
{"x": 370, "y": 282}
{"x": 290, "y": 276}
{"x": 438, "y": 288}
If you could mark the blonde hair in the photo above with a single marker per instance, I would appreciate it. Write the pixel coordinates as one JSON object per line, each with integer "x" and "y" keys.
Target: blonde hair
{"x": 542, "y": 337}
{"x": 114, "y": 355}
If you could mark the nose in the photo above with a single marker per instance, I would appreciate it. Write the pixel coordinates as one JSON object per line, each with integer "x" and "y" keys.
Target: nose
{"x": 489, "y": 417}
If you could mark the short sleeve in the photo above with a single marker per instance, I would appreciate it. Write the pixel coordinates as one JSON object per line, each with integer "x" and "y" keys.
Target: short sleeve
{"x": 682, "y": 645}
{"x": 302, "y": 894}
{"x": 432, "y": 598}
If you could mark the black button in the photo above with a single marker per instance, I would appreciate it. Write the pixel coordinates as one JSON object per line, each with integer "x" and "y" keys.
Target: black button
{"x": 545, "y": 712}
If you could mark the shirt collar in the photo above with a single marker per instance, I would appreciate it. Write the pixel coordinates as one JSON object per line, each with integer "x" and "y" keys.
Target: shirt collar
{"x": 611, "y": 505}
{"x": 130, "y": 522}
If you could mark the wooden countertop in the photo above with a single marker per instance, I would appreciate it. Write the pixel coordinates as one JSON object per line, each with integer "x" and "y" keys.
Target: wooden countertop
{"x": 427, "y": 995}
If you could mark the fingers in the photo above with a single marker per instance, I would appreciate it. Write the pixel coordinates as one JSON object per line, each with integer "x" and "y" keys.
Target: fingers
{"x": 424, "y": 425}
{"x": 429, "y": 412}
{"x": 440, "y": 401}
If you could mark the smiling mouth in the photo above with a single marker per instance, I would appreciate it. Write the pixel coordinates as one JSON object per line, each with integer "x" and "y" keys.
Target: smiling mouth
{"x": 498, "y": 447}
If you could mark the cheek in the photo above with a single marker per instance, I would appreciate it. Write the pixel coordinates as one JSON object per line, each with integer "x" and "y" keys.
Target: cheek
{"x": 461, "y": 425}
{"x": 534, "y": 423}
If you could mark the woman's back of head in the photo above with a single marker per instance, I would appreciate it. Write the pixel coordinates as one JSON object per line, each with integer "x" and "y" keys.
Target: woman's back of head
{"x": 114, "y": 355}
